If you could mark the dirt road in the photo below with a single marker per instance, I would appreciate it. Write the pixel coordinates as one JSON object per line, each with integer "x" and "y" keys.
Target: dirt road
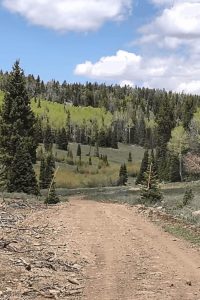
{"x": 129, "y": 257}
{"x": 121, "y": 255}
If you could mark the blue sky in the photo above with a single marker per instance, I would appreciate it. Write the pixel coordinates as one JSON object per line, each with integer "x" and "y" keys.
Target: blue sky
{"x": 152, "y": 43}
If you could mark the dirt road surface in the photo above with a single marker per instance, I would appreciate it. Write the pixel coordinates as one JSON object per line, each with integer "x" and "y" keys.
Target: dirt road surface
{"x": 127, "y": 256}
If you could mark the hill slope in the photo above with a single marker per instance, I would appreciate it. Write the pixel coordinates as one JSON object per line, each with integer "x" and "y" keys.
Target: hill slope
{"x": 57, "y": 113}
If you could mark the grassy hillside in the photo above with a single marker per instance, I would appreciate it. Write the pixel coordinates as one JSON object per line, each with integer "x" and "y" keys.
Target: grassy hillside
{"x": 92, "y": 176}
{"x": 56, "y": 113}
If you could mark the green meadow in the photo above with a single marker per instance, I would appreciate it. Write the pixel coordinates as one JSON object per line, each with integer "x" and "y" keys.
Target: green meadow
{"x": 56, "y": 113}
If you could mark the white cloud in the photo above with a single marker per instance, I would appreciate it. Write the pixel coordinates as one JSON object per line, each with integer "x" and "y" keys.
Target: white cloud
{"x": 127, "y": 83}
{"x": 178, "y": 24}
{"x": 173, "y": 73}
{"x": 190, "y": 87}
{"x": 70, "y": 15}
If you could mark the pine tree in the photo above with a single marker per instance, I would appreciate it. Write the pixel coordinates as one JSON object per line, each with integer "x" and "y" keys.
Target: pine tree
{"x": 165, "y": 121}
{"x": 17, "y": 125}
{"x": 123, "y": 175}
{"x": 130, "y": 157}
{"x": 62, "y": 141}
{"x": 52, "y": 197}
{"x": 21, "y": 174}
{"x": 114, "y": 141}
{"x": 143, "y": 168}
{"x": 48, "y": 138}
{"x": 50, "y": 169}
{"x": 47, "y": 169}
{"x": 78, "y": 153}
{"x": 150, "y": 191}
{"x": 173, "y": 168}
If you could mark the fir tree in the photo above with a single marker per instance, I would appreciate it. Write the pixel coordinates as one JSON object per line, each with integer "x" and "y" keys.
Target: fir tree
{"x": 47, "y": 169}
{"x": 165, "y": 121}
{"x": 173, "y": 168}
{"x": 62, "y": 141}
{"x": 123, "y": 175}
{"x": 143, "y": 168}
{"x": 130, "y": 157}
{"x": 48, "y": 138}
{"x": 52, "y": 197}
{"x": 17, "y": 125}
{"x": 50, "y": 169}
{"x": 21, "y": 174}
{"x": 78, "y": 153}
{"x": 114, "y": 141}
{"x": 150, "y": 191}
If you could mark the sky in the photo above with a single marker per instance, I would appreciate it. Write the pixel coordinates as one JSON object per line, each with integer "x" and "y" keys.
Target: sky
{"x": 150, "y": 43}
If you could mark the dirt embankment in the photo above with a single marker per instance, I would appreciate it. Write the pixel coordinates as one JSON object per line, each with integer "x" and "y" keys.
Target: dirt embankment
{"x": 96, "y": 251}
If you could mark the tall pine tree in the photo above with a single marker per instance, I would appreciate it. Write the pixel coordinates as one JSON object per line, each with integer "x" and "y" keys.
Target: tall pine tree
{"x": 143, "y": 167}
{"x": 150, "y": 191}
{"x": 22, "y": 176}
{"x": 17, "y": 130}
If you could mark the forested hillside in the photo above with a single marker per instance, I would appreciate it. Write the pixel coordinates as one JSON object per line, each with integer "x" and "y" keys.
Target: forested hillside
{"x": 102, "y": 116}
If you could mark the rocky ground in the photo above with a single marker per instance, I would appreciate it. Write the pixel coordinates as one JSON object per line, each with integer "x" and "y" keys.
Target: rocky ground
{"x": 89, "y": 250}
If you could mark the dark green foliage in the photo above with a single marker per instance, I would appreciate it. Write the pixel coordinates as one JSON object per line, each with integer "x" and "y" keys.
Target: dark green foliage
{"x": 188, "y": 196}
{"x": 50, "y": 168}
{"x": 166, "y": 122}
{"x": 47, "y": 169}
{"x": 150, "y": 191}
{"x": 130, "y": 157}
{"x": 90, "y": 161}
{"x": 114, "y": 139}
{"x": 173, "y": 168}
{"x": 52, "y": 197}
{"x": 21, "y": 173}
{"x": 123, "y": 175}
{"x": 143, "y": 168}
{"x": 48, "y": 138}
{"x": 62, "y": 140}
{"x": 78, "y": 153}
{"x": 17, "y": 131}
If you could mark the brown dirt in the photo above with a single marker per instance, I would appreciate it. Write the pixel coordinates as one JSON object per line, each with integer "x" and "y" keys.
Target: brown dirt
{"x": 120, "y": 253}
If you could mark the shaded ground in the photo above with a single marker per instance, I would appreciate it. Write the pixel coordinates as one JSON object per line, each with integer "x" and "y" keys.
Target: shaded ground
{"x": 119, "y": 253}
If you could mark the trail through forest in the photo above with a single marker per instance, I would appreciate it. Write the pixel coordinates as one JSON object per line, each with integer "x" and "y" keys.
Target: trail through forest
{"x": 126, "y": 256}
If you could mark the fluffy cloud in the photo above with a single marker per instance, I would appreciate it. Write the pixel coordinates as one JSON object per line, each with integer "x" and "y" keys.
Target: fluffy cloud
{"x": 70, "y": 15}
{"x": 173, "y": 73}
{"x": 177, "y": 25}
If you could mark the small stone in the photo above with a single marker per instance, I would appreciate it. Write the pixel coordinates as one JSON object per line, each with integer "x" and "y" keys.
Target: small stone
{"x": 73, "y": 281}
{"x": 188, "y": 282}
{"x": 77, "y": 266}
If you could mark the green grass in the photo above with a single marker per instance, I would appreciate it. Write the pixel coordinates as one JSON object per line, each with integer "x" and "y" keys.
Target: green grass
{"x": 56, "y": 113}
{"x": 184, "y": 233}
{"x": 93, "y": 176}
